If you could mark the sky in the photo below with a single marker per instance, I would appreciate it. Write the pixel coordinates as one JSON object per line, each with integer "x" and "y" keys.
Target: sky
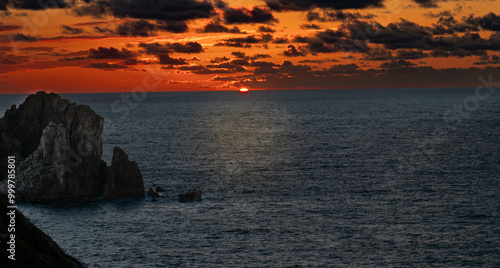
{"x": 70, "y": 46}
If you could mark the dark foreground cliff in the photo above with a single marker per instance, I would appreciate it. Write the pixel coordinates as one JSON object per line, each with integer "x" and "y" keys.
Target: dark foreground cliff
{"x": 58, "y": 150}
{"x": 33, "y": 247}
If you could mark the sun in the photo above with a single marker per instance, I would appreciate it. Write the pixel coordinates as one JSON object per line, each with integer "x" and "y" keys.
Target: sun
{"x": 243, "y": 90}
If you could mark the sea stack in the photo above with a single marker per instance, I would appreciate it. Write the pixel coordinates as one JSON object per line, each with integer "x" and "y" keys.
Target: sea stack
{"x": 58, "y": 148}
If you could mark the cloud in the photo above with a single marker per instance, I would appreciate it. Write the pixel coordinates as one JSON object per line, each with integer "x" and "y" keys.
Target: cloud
{"x": 302, "y": 5}
{"x": 110, "y": 53}
{"x": 4, "y": 28}
{"x": 189, "y": 47}
{"x": 286, "y": 68}
{"x": 157, "y": 48}
{"x": 135, "y": 28}
{"x": 485, "y": 59}
{"x": 310, "y": 26}
{"x": 293, "y": 52}
{"x": 337, "y": 15}
{"x": 318, "y": 61}
{"x": 7, "y": 61}
{"x": 22, "y": 38}
{"x": 217, "y": 27}
{"x": 145, "y": 28}
{"x": 71, "y": 30}
{"x": 426, "y": 3}
{"x": 395, "y": 64}
{"x": 161, "y": 10}
{"x": 33, "y": 4}
{"x": 167, "y": 60}
{"x": 73, "y": 59}
{"x": 246, "y": 41}
{"x": 245, "y": 15}
{"x": 106, "y": 66}
{"x": 266, "y": 29}
{"x": 491, "y": 22}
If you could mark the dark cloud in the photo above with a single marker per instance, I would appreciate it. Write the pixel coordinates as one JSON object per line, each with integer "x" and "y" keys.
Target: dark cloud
{"x": 311, "y": 26}
{"x": 409, "y": 54}
{"x": 286, "y": 68}
{"x": 219, "y": 59}
{"x": 73, "y": 59}
{"x": 71, "y": 30}
{"x": 22, "y": 38}
{"x": 266, "y": 64}
{"x": 293, "y": 52}
{"x": 162, "y": 10}
{"x": 337, "y": 15}
{"x": 395, "y": 64}
{"x": 260, "y": 56}
{"x": 228, "y": 65}
{"x": 318, "y": 61}
{"x": 103, "y": 30}
{"x": 222, "y": 78}
{"x": 146, "y": 28}
{"x": 239, "y": 54}
{"x": 110, "y": 53}
{"x": 136, "y": 28}
{"x": 4, "y": 28}
{"x": 491, "y": 22}
{"x": 448, "y": 25}
{"x": 485, "y": 59}
{"x": 246, "y": 41}
{"x": 189, "y": 47}
{"x": 280, "y": 40}
{"x": 240, "y": 62}
{"x": 167, "y": 60}
{"x": 426, "y": 3}
{"x": 106, "y": 66}
{"x": 301, "y": 5}
{"x": 33, "y": 4}
{"x": 266, "y": 29}
{"x": 157, "y": 48}
{"x": 7, "y": 61}
{"x": 445, "y": 13}
{"x": 174, "y": 27}
{"x": 217, "y": 27}
{"x": 245, "y": 15}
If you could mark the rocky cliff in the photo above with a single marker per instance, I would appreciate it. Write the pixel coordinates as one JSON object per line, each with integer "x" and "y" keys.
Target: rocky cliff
{"x": 33, "y": 247}
{"x": 58, "y": 146}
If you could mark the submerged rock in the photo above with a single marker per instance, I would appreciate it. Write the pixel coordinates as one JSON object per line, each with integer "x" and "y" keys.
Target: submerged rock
{"x": 58, "y": 149}
{"x": 192, "y": 195}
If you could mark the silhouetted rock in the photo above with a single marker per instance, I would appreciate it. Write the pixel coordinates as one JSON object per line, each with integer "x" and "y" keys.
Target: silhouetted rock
{"x": 159, "y": 189}
{"x": 152, "y": 193}
{"x": 192, "y": 195}
{"x": 124, "y": 179}
{"x": 58, "y": 149}
{"x": 33, "y": 247}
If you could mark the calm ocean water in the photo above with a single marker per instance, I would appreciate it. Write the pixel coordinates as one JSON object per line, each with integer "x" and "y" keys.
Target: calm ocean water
{"x": 355, "y": 178}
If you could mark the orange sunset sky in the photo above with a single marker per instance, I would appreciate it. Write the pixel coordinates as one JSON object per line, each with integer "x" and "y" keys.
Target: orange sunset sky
{"x": 165, "y": 45}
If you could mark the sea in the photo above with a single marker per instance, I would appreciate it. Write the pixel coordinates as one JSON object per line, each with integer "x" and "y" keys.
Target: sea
{"x": 294, "y": 178}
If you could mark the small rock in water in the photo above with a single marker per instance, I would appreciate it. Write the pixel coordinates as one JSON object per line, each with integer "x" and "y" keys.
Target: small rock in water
{"x": 159, "y": 189}
{"x": 192, "y": 195}
{"x": 152, "y": 193}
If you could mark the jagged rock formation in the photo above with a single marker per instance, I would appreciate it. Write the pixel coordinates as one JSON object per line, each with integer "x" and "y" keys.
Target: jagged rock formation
{"x": 123, "y": 179}
{"x": 58, "y": 146}
{"x": 192, "y": 195}
{"x": 33, "y": 247}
